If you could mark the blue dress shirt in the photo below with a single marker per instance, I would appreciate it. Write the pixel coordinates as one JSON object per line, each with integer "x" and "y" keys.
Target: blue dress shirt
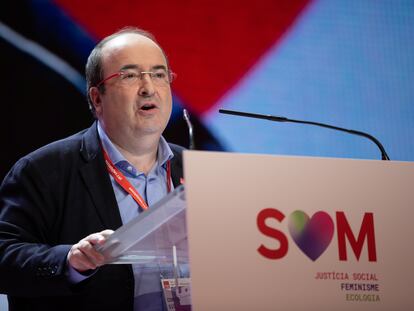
{"x": 151, "y": 187}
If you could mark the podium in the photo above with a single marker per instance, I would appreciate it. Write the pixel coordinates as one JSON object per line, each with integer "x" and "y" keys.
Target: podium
{"x": 297, "y": 233}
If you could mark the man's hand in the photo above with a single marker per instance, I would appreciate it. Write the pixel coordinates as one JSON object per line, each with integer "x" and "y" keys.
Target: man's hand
{"x": 83, "y": 256}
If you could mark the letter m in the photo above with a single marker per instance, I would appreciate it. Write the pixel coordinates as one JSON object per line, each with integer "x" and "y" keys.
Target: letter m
{"x": 365, "y": 233}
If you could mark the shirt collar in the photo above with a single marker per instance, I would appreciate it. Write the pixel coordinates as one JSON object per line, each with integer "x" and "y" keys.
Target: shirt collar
{"x": 163, "y": 155}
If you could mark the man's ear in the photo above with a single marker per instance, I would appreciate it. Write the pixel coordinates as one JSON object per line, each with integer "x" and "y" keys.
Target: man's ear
{"x": 95, "y": 97}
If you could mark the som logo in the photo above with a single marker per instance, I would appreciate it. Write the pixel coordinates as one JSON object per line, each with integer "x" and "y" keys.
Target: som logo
{"x": 314, "y": 235}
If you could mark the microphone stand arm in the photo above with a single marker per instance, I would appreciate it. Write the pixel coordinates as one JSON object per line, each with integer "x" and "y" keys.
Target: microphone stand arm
{"x": 384, "y": 155}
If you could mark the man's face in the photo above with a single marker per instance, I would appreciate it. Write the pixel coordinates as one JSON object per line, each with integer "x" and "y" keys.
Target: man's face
{"x": 137, "y": 109}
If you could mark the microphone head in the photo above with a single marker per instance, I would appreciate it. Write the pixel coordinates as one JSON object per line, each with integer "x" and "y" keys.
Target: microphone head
{"x": 186, "y": 115}
{"x": 190, "y": 128}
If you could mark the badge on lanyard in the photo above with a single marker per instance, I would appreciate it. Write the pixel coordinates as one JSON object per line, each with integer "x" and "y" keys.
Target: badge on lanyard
{"x": 177, "y": 291}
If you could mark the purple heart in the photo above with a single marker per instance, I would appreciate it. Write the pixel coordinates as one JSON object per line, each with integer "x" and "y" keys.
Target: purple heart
{"x": 312, "y": 235}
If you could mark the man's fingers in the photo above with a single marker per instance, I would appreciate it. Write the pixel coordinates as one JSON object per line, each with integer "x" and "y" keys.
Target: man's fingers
{"x": 83, "y": 255}
{"x": 90, "y": 252}
{"x": 106, "y": 233}
{"x": 81, "y": 263}
{"x": 99, "y": 238}
{"x": 95, "y": 238}
{"x": 79, "y": 260}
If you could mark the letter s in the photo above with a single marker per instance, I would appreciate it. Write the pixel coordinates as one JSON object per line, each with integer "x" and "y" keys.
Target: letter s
{"x": 273, "y": 233}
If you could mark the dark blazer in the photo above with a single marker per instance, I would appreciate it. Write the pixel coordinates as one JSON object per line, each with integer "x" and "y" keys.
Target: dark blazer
{"x": 50, "y": 200}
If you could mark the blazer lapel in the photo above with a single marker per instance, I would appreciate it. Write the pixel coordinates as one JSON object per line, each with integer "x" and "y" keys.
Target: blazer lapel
{"x": 97, "y": 181}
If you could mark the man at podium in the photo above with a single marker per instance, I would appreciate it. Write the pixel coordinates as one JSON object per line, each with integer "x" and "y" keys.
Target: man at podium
{"x": 60, "y": 201}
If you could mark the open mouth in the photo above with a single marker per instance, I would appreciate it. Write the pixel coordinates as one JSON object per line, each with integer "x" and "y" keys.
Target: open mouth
{"x": 147, "y": 107}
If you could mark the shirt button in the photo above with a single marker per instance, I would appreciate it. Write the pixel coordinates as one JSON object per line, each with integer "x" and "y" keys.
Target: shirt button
{"x": 129, "y": 168}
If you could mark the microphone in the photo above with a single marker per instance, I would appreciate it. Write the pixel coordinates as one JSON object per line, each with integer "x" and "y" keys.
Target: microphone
{"x": 384, "y": 155}
{"x": 190, "y": 129}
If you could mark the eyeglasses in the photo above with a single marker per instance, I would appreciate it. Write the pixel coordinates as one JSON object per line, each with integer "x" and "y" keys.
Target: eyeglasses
{"x": 159, "y": 77}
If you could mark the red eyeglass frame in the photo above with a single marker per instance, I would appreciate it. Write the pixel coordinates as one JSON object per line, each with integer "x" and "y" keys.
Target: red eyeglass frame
{"x": 172, "y": 75}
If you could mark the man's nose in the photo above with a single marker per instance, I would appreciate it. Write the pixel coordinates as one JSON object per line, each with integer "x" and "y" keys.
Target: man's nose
{"x": 146, "y": 88}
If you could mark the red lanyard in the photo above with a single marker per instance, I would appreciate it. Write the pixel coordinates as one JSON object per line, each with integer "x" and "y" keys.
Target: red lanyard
{"x": 126, "y": 185}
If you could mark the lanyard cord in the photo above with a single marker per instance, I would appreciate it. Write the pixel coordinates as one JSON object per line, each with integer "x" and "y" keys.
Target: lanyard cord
{"x": 126, "y": 185}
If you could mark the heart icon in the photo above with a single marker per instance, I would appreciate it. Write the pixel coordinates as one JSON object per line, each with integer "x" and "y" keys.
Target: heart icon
{"x": 312, "y": 235}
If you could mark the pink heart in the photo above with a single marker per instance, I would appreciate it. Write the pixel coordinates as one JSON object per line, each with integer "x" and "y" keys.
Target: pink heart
{"x": 312, "y": 235}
